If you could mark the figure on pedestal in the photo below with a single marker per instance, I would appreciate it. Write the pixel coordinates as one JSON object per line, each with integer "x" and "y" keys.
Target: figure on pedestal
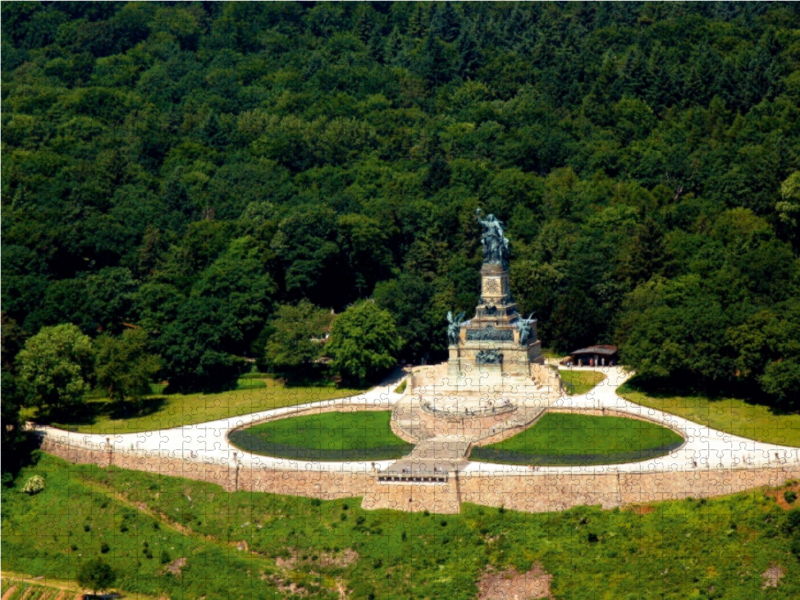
{"x": 524, "y": 326}
{"x": 454, "y": 327}
{"x": 495, "y": 244}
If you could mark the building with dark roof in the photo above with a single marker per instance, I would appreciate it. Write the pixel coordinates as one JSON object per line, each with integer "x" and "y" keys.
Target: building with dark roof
{"x": 600, "y": 355}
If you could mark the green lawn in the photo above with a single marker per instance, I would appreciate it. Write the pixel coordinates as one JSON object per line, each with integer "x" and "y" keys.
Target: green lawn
{"x": 173, "y": 410}
{"x": 731, "y": 415}
{"x": 565, "y": 438}
{"x": 329, "y": 436}
{"x": 580, "y": 382}
{"x": 247, "y": 545}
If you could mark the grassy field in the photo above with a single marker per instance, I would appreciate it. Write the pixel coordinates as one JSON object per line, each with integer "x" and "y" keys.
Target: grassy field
{"x": 256, "y": 545}
{"x": 731, "y": 415}
{"x": 563, "y": 438}
{"x": 329, "y": 436}
{"x": 174, "y": 410}
{"x": 579, "y": 382}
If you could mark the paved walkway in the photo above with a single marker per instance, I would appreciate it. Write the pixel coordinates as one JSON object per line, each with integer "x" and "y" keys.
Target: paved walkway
{"x": 705, "y": 448}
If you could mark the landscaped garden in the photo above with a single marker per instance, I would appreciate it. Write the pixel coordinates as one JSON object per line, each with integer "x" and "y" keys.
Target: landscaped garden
{"x": 172, "y": 537}
{"x": 580, "y": 382}
{"x": 100, "y": 415}
{"x": 328, "y": 436}
{"x": 731, "y": 415}
{"x": 577, "y": 439}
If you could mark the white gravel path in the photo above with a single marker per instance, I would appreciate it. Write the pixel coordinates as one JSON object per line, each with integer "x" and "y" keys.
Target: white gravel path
{"x": 705, "y": 448}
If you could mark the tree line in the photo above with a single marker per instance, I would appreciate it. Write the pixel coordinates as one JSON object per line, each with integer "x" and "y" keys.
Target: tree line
{"x": 223, "y": 176}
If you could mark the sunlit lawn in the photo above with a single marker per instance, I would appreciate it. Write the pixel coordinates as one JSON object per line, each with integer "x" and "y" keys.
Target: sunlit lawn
{"x": 173, "y": 410}
{"x": 580, "y": 382}
{"x": 563, "y": 438}
{"x": 754, "y": 421}
{"x": 328, "y": 436}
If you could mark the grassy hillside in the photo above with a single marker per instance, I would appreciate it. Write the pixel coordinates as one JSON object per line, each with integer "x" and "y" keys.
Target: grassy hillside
{"x": 246, "y": 545}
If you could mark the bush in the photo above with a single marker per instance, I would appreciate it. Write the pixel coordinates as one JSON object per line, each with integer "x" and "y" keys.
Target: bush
{"x": 790, "y": 496}
{"x": 34, "y": 485}
{"x": 96, "y": 575}
{"x": 165, "y": 557}
{"x": 104, "y": 548}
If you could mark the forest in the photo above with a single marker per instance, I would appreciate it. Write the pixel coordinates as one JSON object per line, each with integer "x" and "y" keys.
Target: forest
{"x": 192, "y": 183}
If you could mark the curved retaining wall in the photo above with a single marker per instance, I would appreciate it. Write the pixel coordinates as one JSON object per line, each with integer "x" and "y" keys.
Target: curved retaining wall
{"x": 537, "y": 491}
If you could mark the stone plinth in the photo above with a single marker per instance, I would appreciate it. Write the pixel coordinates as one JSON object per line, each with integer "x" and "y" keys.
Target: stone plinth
{"x": 490, "y": 344}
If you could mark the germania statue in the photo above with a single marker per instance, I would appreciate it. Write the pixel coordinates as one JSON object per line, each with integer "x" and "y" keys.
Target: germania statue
{"x": 495, "y": 244}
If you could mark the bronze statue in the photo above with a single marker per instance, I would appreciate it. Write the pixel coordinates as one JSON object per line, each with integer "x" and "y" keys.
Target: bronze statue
{"x": 495, "y": 244}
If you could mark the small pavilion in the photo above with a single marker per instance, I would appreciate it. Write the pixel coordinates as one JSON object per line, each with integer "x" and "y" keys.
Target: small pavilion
{"x": 602, "y": 355}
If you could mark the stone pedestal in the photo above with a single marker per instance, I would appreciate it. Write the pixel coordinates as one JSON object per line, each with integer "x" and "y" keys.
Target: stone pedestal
{"x": 489, "y": 344}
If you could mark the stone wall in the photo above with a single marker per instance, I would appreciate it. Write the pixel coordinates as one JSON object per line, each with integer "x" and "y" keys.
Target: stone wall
{"x": 536, "y": 491}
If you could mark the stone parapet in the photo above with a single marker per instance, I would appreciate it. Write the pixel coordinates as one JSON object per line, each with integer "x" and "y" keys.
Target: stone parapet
{"x": 536, "y": 491}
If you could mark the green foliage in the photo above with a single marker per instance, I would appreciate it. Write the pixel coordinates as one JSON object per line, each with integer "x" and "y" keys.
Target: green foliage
{"x": 123, "y": 367}
{"x": 364, "y": 342}
{"x": 96, "y": 574}
{"x": 790, "y": 496}
{"x": 643, "y": 156}
{"x": 298, "y": 337}
{"x": 56, "y": 366}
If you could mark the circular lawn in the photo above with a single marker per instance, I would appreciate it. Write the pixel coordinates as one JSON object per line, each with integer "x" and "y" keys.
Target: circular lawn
{"x": 576, "y": 439}
{"x": 332, "y": 436}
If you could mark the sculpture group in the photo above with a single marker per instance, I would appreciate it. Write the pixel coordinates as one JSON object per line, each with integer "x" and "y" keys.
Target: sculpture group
{"x": 497, "y": 339}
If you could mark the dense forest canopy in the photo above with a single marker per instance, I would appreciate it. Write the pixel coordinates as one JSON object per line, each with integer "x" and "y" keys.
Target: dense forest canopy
{"x": 189, "y": 167}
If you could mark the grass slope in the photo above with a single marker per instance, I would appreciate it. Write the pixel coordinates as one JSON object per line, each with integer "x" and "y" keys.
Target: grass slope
{"x": 580, "y": 382}
{"x": 329, "y": 436}
{"x": 563, "y": 438}
{"x": 174, "y": 410}
{"x": 731, "y": 415}
{"x": 674, "y": 550}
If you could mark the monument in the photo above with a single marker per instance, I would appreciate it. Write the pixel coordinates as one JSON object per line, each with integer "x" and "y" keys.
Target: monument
{"x": 497, "y": 340}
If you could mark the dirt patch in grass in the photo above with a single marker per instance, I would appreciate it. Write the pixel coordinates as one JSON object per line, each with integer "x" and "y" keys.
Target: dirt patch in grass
{"x": 779, "y": 494}
{"x": 641, "y": 509}
{"x": 508, "y": 584}
{"x": 176, "y": 565}
{"x": 772, "y": 576}
{"x": 341, "y": 559}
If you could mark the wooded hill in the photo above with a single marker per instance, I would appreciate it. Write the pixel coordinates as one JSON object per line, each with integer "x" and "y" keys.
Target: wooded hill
{"x": 188, "y": 167}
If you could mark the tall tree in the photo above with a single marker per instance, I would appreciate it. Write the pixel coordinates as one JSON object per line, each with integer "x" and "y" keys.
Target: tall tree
{"x": 364, "y": 342}
{"x": 56, "y": 367}
{"x": 123, "y": 366}
{"x": 298, "y": 338}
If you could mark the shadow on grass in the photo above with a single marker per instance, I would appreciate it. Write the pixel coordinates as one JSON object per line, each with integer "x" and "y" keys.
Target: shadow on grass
{"x": 92, "y": 410}
{"x": 253, "y": 443}
{"x": 685, "y": 386}
{"x": 605, "y": 458}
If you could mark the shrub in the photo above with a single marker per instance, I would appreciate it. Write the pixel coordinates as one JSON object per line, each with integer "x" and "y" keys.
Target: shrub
{"x": 592, "y": 538}
{"x": 34, "y": 485}
{"x": 790, "y": 496}
{"x": 104, "y": 548}
{"x": 165, "y": 557}
{"x": 96, "y": 575}
{"x": 793, "y": 520}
